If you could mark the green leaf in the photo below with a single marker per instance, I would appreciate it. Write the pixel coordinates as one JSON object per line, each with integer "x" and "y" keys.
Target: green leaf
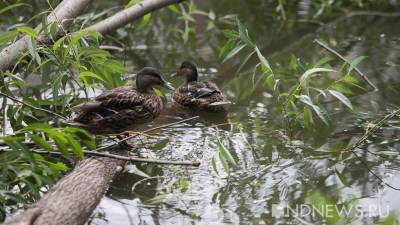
{"x": 389, "y": 220}
{"x": 230, "y": 34}
{"x": 33, "y": 50}
{"x": 132, "y": 3}
{"x": 36, "y": 127}
{"x": 59, "y": 166}
{"x": 76, "y": 147}
{"x": 214, "y": 165}
{"x": 244, "y": 35}
{"x": 307, "y": 117}
{"x": 145, "y": 21}
{"x": 12, "y": 6}
{"x": 355, "y": 62}
{"x": 320, "y": 113}
{"x": 174, "y": 9}
{"x": 233, "y": 52}
{"x": 225, "y": 153}
{"x": 270, "y": 81}
{"x": 183, "y": 185}
{"x": 158, "y": 92}
{"x": 58, "y": 43}
{"x": 61, "y": 143}
{"x": 229, "y": 45}
{"x": 28, "y": 31}
{"x": 350, "y": 79}
{"x": 264, "y": 62}
{"x": 40, "y": 142}
{"x": 308, "y": 73}
{"x": 342, "y": 98}
{"x": 223, "y": 162}
{"x": 342, "y": 88}
{"x": 293, "y": 63}
{"x": 83, "y": 75}
{"x": 7, "y": 36}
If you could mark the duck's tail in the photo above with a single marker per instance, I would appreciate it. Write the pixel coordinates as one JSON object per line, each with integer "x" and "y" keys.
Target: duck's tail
{"x": 221, "y": 103}
{"x": 73, "y": 123}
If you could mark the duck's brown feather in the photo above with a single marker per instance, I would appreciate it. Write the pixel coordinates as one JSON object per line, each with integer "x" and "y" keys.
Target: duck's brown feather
{"x": 184, "y": 95}
{"x": 129, "y": 106}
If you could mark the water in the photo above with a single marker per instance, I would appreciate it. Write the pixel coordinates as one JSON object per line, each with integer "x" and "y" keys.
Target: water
{"x": 271, "y": 168}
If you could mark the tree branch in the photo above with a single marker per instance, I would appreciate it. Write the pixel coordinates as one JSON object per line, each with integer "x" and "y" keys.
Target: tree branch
{"x": 71, "y": 8}
{"x": 130, "y": 14}
{"x": 348, "y": 62}
{"x": 146, "y": 131}
{"x": 32, "y": 106}
{"x": 361, "y": 140}
{"x": 65, "y": 10}
{"x": 125, "y": 158}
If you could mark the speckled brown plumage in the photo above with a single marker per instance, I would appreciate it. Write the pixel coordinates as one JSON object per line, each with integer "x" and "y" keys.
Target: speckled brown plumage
{"x": 195, "y": 94}
{"x": 184, "y": 95}
{"x": 122, "y": 107}
{"x": 131, "y": 107}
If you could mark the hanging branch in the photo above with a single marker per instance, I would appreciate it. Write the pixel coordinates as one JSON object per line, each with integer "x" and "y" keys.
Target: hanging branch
{"x": 67, "y": 9}
{"x": 32, "y": 106}
{"x": 146, "y": 131}
{"x": 360, "y": 141}
{"x": 358, "y": 71}
{"x": 126, "y": 158}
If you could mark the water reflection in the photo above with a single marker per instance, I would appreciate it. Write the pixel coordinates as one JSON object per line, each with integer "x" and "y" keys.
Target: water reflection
{"x": 272, "y": 168}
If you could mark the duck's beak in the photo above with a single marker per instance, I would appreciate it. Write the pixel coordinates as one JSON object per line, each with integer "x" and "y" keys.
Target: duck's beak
{"x": 168, "y": 86}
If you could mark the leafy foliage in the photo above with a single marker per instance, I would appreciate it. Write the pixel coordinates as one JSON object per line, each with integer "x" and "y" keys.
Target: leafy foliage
{"x": 25, "y": 172}
{"x": 300, "y": 101}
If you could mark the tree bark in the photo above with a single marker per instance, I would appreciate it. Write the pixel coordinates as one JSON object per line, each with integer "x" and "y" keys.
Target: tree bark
{"x": 65, "y": 10}
{"x": 130, "y": 14}
{"x": 72, "y": 200}
{"x": 71, "y": 8}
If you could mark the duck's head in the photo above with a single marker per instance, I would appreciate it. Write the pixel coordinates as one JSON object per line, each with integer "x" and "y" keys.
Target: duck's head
{"x": 189, "y": 70}
{"x": 148, "y": 77}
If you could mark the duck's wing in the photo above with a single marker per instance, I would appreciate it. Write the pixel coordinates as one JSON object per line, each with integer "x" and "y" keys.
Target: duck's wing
{"x": 213, "y": 95}
{"x": 204, "y": 92}
{"x": 87, "y": 106}
{"x": 120, "y": 98}
{"x": 212, "y": 86}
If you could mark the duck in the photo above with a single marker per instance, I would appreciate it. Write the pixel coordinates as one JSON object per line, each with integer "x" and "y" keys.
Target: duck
{"x": 198, "y": 95}
{"x": 124, "y": 106}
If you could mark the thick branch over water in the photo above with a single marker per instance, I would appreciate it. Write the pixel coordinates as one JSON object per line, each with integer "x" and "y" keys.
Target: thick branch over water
{"x": 72, "y": 200}
{"x": 130, "y": 14}
{"x": 71, "y": 8}
{"x": 67, "y": 9}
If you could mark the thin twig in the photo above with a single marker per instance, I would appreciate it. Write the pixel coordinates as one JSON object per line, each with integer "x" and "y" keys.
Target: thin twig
{"x": 33, "y": 107}
{"x": 4, "y": 108}
{"x": 146, "y": 131}
{"x": 348, "y": 62}
{"x": 365, "y": 137}
{"x": 126, "y": 158}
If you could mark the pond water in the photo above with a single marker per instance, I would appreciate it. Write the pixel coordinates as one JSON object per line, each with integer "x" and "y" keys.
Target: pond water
{"x": 275, "y": 173}
{"x": 272, "y": 169}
